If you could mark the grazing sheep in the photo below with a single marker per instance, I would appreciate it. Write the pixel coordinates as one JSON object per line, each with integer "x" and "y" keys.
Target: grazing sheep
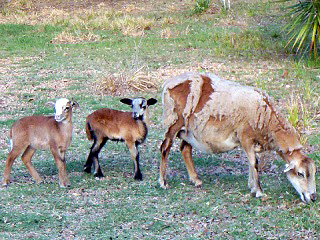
{"x": 215, "y": 115}
{"x": 108, "y": 124}
{"x": 41, "y": 132}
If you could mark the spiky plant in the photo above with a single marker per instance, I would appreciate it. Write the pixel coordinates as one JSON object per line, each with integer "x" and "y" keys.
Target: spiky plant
{"x": 304, "y": 27}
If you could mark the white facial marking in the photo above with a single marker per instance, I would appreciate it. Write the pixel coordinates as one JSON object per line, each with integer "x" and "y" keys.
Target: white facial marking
{"x": 303, "y": 185}
{"x": 295, "y": 183}
{"x": 138, "y": 107}
{"x": 59, "y": 109}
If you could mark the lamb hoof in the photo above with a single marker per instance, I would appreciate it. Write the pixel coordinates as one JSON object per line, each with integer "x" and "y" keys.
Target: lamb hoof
{"x": 39, "y": 181}
{"x": 66, "y": 185}
{"x": 164, "y": 184}
{"x": 138, "y": 177}
{"x": 87, "y": 169}
{"x": 197, "y": 182}
{"x": 98, "y": 175}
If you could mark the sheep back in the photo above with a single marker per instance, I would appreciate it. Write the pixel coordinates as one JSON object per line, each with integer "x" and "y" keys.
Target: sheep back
{"x": 115, "y": 125}
{"x": 205, "y": 96}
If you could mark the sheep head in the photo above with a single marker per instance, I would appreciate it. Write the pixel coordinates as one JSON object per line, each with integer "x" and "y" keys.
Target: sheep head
{"x": 63, "y": 107}
{"x": 301, "y": 172}
{"x": 139, "y": 106}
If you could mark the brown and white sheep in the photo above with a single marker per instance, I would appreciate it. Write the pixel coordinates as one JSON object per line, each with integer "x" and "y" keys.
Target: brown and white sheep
{"x": 215, "y": 115}
{"x": 109, "y": 124}
{"x": 42, "y": 132}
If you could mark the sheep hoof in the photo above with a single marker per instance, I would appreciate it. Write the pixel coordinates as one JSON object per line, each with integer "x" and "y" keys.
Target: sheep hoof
{"x": 138, "y": 177}
{"x": 64, "y": 185}
{"x": 39, "y": 181}
{"x": 164, "y": 184}
{"x": 87, "y": 169}
{"x": 98, "y": 175}
{"x": 257, "y": 193}
{"x": 260, "y": 194}
{"x": 197, "y": 182}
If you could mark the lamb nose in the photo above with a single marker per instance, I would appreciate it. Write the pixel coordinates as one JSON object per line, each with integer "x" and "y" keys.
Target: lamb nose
{"x": 313, "y": 197}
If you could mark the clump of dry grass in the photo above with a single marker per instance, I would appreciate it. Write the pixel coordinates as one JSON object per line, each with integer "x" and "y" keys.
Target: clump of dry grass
{"x": 67, "y": 37}
{"x": 127, "y": 82}
{"x": 166, "y": 33}
{"x": 133, "y": 26}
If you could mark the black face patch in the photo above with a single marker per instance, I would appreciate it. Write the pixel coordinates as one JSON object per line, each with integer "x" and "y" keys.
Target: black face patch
{"x": 143, "y": 104}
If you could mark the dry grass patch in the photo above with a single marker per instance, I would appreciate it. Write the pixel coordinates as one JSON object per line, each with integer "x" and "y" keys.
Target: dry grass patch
{"x": 67, "y": 37}
{"x": 133, "y": 81}
{"x": 89, "y": 19}
{"x": 166, "y": 33}
{"x": 132, "y": 25}
{"x": 126, "y": 16}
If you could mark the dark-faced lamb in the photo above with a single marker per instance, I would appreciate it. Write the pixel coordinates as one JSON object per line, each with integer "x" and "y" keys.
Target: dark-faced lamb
{"x": 215, "y": 115}
{"x": 109, "y": 124}
{"x": 42, "y": 132}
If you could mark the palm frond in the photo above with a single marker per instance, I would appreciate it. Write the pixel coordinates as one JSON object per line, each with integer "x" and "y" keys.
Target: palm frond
{"x": 304, "y": 28}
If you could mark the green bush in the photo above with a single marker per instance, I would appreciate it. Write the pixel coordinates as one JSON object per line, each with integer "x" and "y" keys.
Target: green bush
{"x": 201, "y": 6}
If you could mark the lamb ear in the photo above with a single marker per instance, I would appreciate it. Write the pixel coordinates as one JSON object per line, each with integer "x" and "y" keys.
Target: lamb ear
{"x": 152, "y": 101}
{"x": 127, "y": 101}
{"x": 74, "y": 104}
{"x": 289, "y": 167}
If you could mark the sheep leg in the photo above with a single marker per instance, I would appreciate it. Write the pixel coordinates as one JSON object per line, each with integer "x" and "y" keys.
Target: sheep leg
{"x": 13, "y": 154}
{"x": 245, "y": 136}
{"x": 59, "y": 157}
{"x": 26, "y": 159}
{"x": 186, "y": 150}
{"x": 165, "y": 149}
{"x": 253, "y": 181}
{"x": 94, "y": 159}
{"x": 133, "y": 148}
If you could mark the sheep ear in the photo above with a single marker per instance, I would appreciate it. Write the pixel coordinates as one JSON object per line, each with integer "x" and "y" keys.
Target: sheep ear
{"x": 127, "y": 101}
{"x": 50, "y": 104}
{"x": 289, "y": 167}
{"x": 152, "y": 101}
{"x": 74, "y": 104}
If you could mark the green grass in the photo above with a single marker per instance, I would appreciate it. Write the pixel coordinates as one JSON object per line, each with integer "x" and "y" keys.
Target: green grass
{"x": 244, "y": 44}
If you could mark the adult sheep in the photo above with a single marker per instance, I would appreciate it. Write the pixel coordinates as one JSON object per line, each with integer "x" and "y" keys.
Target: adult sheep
{"x": 215, "y": 115}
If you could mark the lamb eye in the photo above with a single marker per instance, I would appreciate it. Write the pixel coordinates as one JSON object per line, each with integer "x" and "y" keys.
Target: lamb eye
{"x": 300, "y": 174}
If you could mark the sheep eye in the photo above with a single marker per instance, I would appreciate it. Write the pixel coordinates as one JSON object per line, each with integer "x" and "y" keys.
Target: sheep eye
{"x": 300, "y": 174}
{"x": 67, "y": 108}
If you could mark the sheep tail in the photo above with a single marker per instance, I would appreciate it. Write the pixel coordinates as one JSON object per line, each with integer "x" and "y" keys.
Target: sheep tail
{"x": 10, "y": 140}
{"x": 89, "y": 132}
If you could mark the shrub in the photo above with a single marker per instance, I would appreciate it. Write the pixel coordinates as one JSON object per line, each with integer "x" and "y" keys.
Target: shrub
{"x": 201, "y": 6}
